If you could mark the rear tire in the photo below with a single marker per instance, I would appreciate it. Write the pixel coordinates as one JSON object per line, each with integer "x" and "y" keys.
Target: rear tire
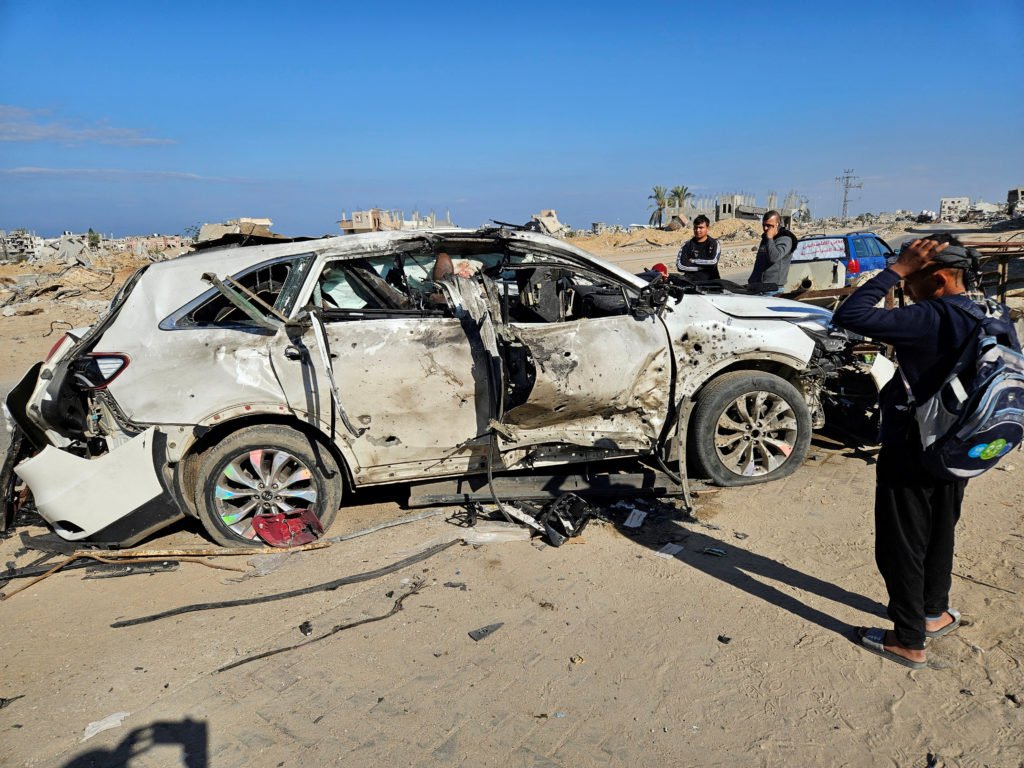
{"x": 264, "y": 469}
{"x": 749, "y": 427}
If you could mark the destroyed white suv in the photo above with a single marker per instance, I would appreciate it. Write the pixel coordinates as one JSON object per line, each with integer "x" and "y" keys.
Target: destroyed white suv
{"x": 249, "y": 386}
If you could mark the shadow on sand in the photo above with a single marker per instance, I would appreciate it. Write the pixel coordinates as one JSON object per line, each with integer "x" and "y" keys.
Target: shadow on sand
{"x": 746, "y": 570}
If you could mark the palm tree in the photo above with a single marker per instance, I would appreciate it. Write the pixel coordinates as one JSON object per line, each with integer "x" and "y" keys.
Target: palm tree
{"x": 658, "y": 195}
{"x": 679, "y": 196}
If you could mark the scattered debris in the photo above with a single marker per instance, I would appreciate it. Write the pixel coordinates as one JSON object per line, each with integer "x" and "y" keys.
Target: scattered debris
{"x": 306, "y": 628}
{"x": 417, "y": 586}
{"x": 577, "y": 659}
{"x": 669, "y": 551}
{"x": 966, "y": 691}
{"x": 490, "y": 629}
{"x": 565, "y": 517}
{"x": 1014, "y": 699}
{"x": 741, "y": 536}
{"x": 108, "y": 722}
{"x": 492, "y": 532}
{"x": 264, "y": 565}
{"x": 325, "y": 587}
{"x": 546, "y": 605}
{"x": 635, "y": 519}
{"x": 713, "y": 551}
{"x": 983, "y": 583}
{"x": 724, "y": 639}
{"x": 4, "y": 703}
{"x": 113, "y": 570}
{"x": 459, "y": 585}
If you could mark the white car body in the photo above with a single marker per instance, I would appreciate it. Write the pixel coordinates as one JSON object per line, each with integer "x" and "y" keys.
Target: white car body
{"x": 398, "y": 394}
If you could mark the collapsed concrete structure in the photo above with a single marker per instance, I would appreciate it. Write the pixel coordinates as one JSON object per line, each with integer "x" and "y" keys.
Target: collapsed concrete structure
{"x": 953, "y": 208}
{"x": 381, "y": 220}
{"x": 1015, "y": 202}
{"x": 241, "y": 226}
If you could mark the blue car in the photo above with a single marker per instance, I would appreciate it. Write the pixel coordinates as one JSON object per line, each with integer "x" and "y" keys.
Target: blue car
{"x": 859, "y": 252}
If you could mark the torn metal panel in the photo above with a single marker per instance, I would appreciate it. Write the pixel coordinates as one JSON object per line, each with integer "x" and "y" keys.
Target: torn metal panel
{"x": 82, "y": 497}
{"x": 410, "y": 386}
{"x": 595, "y": 381}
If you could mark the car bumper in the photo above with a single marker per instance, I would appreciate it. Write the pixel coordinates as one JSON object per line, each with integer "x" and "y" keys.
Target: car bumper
{"x": 117, "y": 498}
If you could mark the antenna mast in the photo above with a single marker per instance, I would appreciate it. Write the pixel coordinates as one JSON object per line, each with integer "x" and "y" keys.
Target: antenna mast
{"x": 847, "y": 180}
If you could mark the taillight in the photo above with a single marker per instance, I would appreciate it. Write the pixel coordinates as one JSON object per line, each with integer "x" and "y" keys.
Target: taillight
{"x": 852, "y": 267}
{"x": 55, "y": 347}
{"x": 97, "y": 369}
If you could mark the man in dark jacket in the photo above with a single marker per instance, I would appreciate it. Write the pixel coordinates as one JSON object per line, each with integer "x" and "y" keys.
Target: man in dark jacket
{"x": 915, "y": 511}
{"x": 771, "y": 266}
{"x": 698, "y": 258}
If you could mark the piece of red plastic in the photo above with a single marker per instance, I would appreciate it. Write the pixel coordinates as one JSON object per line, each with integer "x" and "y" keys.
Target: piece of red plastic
{"x": 288, "y": 530}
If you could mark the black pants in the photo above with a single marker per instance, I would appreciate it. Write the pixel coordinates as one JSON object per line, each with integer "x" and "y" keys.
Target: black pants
{"x": 915, "y": 515}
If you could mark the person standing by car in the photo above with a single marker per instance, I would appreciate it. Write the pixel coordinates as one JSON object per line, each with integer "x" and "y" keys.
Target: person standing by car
{"x": 698, "y": 258}
{"x": 915, "y": 511}
{"x": 771, "y": 266}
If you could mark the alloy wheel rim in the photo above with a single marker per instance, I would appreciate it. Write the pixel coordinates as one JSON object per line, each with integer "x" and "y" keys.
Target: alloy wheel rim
{"x": 756, "y": 434}
{"x": 263, "y": 481}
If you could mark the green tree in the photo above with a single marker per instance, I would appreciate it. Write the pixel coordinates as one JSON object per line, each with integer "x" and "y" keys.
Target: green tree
{"x": 94, "y": 239}
{"x": 659, "y": 196}
{"x": 192, "y": 233}
{"x": 679, "y": 196}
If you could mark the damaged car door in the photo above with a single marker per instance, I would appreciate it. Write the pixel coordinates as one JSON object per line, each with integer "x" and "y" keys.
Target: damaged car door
{"x": 410, "y": 393}
{"x": 586, "y": 373}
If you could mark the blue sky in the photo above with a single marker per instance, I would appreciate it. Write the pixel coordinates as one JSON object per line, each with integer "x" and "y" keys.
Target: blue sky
{"x": 138, "y": 117}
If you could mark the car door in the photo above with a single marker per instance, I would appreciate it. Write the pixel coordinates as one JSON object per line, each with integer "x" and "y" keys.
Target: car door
{"x": 581, "y": 369}
{"x": 410, "y": 393}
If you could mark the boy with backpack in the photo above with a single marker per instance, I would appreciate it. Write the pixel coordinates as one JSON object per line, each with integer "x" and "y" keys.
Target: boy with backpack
{"x": 917, "y": 496}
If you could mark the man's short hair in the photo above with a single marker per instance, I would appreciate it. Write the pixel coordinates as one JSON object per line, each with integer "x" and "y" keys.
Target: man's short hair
{"x": 702, "y": 219}
{"x": 960, "y": 274}
{"x": 770, "y": 215}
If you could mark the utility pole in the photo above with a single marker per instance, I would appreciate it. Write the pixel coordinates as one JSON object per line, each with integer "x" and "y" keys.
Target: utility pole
{"x": 847, "y": 180}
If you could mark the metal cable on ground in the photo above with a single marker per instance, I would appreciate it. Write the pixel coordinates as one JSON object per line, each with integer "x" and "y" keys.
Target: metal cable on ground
{"x": 326, "y": 587}
{"x": 389, "y": 524}
{"x": 334, "y": 630}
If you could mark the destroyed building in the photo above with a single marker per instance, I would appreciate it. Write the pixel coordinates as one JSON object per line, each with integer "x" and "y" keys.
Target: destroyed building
{"x": 1015, "y": 202}
{"x": 381, "y": 220}
{"x": 953, "y": 208}
{"x": 19, "y": 245}
{"x": 240, "y": 226}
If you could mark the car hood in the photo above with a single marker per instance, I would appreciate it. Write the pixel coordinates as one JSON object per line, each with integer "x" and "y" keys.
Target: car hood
{"x": 764, "y": 307}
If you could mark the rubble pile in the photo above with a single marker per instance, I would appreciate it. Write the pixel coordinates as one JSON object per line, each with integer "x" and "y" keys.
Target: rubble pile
{"x": 83, "y": 288}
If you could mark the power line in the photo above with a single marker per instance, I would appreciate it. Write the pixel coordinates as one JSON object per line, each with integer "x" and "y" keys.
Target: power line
{"x": 847, "y": 180}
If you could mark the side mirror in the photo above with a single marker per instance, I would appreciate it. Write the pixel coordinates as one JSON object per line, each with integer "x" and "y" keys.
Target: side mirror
{"x": 652, "y": 298}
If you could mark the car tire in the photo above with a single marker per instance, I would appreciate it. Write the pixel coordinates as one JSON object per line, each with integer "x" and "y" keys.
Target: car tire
{"x": 274, "y": 460}
{"x": 749, "y": 427}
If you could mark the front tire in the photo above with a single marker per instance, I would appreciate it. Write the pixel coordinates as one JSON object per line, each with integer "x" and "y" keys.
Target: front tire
{"x": 749, "y": 427}
{"x": 262, "y": 470}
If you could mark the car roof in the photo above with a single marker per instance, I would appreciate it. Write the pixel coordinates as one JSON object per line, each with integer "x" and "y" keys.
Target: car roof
{"x": 180, "y": 279}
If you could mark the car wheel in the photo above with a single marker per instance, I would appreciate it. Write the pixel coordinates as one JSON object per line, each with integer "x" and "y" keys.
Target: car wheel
{"x": 261, "y": 471}
{"x": 749, "y": 427}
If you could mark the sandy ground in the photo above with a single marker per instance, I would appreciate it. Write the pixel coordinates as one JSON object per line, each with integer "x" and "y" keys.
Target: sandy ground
{"x": 607, "y": 655}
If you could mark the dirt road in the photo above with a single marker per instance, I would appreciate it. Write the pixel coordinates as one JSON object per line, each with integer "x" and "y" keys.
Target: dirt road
{"x": 607, "y": 654}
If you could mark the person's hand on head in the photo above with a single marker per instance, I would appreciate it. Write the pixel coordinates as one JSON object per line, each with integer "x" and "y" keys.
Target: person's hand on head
{"x": 916, "y": 256}
{"x": 771, "y": 229}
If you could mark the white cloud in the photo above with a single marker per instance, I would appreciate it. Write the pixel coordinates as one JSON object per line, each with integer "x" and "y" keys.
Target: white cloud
{"x": 110, "y": 174}
{"x": 18, "y": 124}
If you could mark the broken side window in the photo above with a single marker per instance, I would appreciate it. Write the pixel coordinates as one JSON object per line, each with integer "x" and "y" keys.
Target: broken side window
{"x": 543, "y": 288}
{"x": 380, "y": 286}
{"x": 275, "y": 282}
